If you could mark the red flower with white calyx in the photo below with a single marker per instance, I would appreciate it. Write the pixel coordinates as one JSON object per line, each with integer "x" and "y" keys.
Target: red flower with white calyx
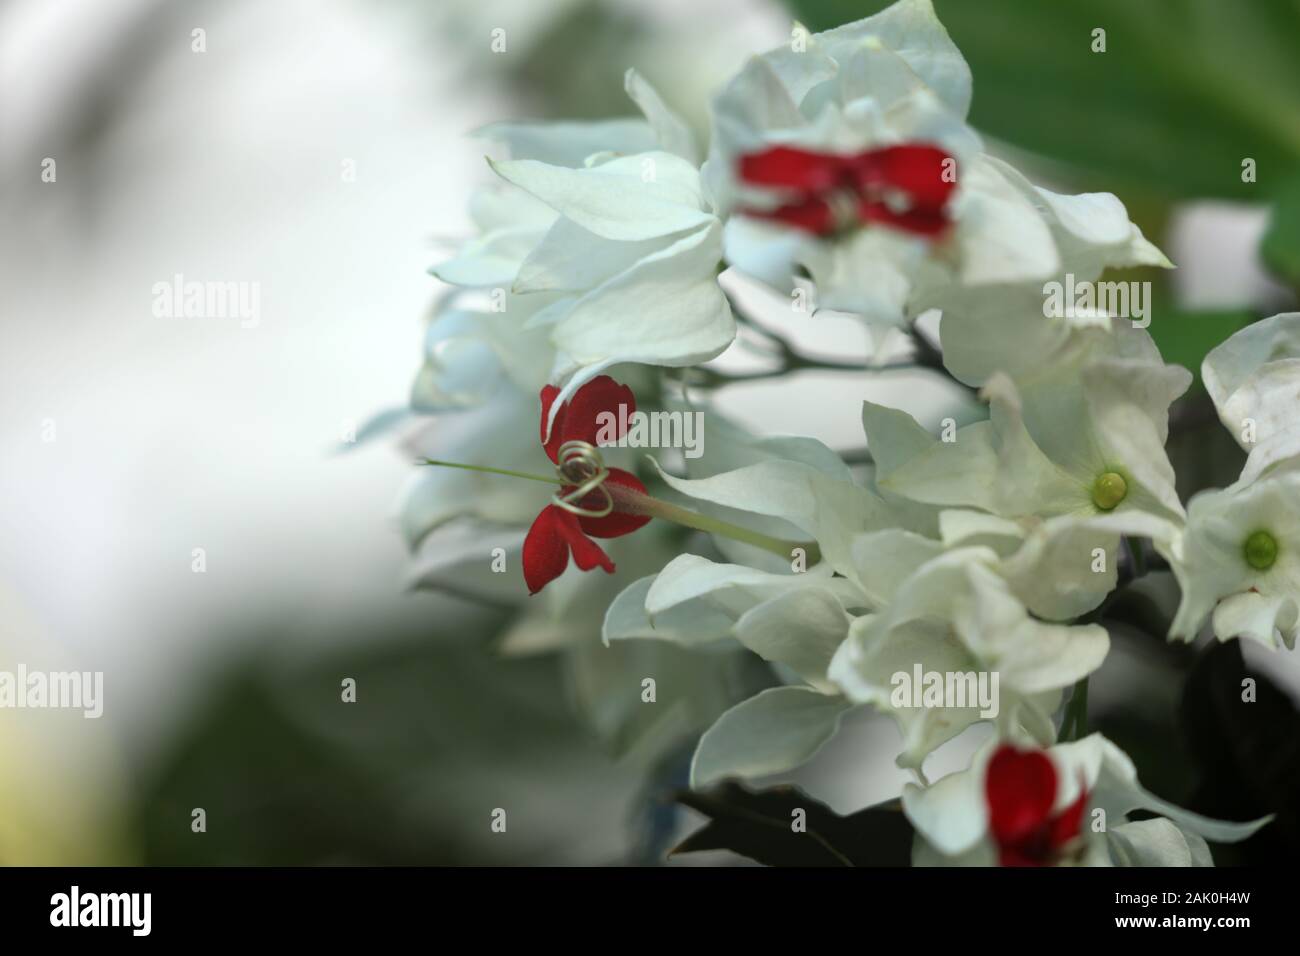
{"x": 1020, "y": 788}
{"x": 594, "y": 500}
{"x": 905, "y": 187}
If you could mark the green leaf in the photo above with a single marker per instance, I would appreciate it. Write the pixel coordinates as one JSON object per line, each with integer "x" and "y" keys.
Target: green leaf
{"x": 1184, "y": 92}
{"x": 1281, "y": 245}
{"x": 760, "y": 825}
{"x": 1186, "y": 337}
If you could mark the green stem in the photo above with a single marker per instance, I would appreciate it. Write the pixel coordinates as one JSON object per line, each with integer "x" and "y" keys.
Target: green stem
{"x": 1139, "y": 557}
{"x": 631, "y": 501}
{"x": 491, "y": 471}
{"x": 1075, "y": 724}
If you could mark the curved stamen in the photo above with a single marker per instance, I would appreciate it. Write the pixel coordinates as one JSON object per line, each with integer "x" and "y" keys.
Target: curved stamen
{"x": 581, "y": 464}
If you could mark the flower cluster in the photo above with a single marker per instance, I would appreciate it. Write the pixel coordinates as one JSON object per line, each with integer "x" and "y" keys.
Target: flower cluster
{"x": 844, "y": 163}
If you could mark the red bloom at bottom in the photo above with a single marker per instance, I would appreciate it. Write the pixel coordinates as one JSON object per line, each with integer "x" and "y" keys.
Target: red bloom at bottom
{"x": 558, "y": 532}
{"x": 1020, "y": 788}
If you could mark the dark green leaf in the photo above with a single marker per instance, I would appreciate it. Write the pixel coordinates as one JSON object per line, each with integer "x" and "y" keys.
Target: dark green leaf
{"x": 759, "y": 825}
{"x": 1281, "y": 245}
{"x": 1186, "y": 337}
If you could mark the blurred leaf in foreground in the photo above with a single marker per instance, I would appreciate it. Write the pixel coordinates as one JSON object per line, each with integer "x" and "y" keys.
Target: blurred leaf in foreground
{"x": 783, "y": 826}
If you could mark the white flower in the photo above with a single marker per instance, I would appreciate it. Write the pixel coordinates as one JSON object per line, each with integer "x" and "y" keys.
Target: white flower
{"x": 1023, "y": 806}
{"x": 1240, "y": 557}
{"x": 794, "y": 619}
{"x": 883, "y": 600}
{"x": 479, "y": 335}
{"x": 600, "y": 246}
{"x": 1254, "y": 380}
{"x": 895, "y": 80}
{"x": 1090, "y": 452}
{"x": 1073, "y": 453}
{"x": 956, "y": 615}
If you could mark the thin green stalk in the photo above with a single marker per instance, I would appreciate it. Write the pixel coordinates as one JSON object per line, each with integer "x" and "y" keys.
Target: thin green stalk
{"x": 491, "y": 471}
{"x": 634, "y": 502}
{"x": 1075, "y": 724}
{"x": 1139, "y": 557}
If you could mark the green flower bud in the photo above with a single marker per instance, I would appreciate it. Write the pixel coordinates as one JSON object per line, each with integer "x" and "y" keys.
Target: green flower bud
{"x": 1260, "y": 550}
{"x": 1109, "y": 490}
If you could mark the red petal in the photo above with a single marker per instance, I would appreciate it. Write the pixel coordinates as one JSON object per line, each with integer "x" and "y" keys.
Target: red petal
{"x": 811, "y": 215}
{"x": 916, "y": 169}
{"x": 549, "y": 393}
{"x": 601, "y": 395}
{"x": 546, "y": 550}
{"x": 1066, "y": 826}
{"x": 922, "y": 222}
{"x": 587, "y": 554}
{"x": 1020, "y": 787}
{"x": 616, "y": 523}
{"x": 789, "y": 168}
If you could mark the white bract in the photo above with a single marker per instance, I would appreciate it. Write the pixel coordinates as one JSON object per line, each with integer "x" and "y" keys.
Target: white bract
{"x": 956, "y": 615}
{"x": 1254, "y": 380}
{"x": 892, "y": 79}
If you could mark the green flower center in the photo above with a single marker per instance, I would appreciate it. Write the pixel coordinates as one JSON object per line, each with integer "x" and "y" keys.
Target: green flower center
{"x": 1260, "y": 550}
{"x": 1109, "y": 490}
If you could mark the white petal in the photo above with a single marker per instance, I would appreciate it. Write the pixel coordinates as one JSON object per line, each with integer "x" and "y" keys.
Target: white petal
{"x": 774, "y": 731}
{"x": 1117, "y": 786}
{"x": 636, "y": 197}
{"x": 951, "y": 813}
{"x": 800, "y": 629}
{"x": 912, "y": 30}
{"x": 1156, "y": 842}
{"x": 571, "y": 259}
{"x": 667, "y": 309}
{"x": 1254, "y": 378}
{"x": 884, "y": 560}
{"x": 1000, "y": 235}
{"x": 569, "y": 144}
{"x": 690, "y": 625}
{"x": 1259, "y": 617}
{"x": 828, "y": 509}
{"x": 733, "y": 588}
{"x": 672, "y": 133}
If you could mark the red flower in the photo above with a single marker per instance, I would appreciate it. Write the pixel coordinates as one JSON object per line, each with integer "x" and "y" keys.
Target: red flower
{"x": 899, "y": 186}
{"x": 1020, "y": 788}
{"x": 556, "y": 533}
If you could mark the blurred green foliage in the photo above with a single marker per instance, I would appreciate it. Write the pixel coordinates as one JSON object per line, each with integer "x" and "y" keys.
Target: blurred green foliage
{"x": 1185, "y": 90}
{"x": 1281, "y": 247}
{"x": 443, "y": 730}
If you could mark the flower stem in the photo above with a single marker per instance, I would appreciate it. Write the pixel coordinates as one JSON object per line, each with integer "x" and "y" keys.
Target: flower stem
{"x": 631, "y": 501}
{"x": 1075, "y": 724}
{"x": 491, "y": 471}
